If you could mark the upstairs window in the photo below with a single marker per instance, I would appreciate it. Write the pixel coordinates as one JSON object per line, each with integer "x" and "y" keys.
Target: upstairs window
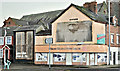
{"x": 9, "y": 40}
{"x": 112, "y": 38}
{"x": 1, "y": 40}
{"x": 115, "y": 22}
{"x": 118, "y": 38}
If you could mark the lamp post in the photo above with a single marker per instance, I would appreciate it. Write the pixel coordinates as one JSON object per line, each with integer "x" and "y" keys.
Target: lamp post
{"x": 109, "y": 30}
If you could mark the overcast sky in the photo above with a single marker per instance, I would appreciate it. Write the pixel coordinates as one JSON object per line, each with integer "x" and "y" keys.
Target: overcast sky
{"x": 18, "y": 8}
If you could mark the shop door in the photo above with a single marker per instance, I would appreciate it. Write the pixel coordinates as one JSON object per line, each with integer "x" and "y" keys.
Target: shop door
{"x": 92, "y": 59}
{"x": 114, "y": 58}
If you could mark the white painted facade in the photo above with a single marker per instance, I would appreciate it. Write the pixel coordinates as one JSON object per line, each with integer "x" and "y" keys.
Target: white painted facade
{"x": 114, "y": 51}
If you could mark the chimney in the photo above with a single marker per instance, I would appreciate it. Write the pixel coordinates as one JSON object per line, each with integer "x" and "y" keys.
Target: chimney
{"x": 92, "y": 6}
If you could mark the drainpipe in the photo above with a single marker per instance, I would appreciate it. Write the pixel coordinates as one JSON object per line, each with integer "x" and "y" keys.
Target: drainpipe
{"x": 109, "y": 30}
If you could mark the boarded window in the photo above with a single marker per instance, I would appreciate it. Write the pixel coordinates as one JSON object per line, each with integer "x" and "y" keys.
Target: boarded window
{"x": 74, "y": 31}
{"x": 24, "y": 45}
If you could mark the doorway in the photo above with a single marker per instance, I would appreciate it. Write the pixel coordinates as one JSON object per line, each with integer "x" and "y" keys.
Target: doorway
{"x": 114, "y": 59}
{"x": 6, "y": 55}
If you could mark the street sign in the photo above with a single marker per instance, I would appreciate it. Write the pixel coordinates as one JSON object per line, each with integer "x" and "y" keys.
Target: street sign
{"x": 49, "y": 40}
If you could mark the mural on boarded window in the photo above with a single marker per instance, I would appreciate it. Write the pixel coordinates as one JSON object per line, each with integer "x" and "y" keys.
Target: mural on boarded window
{"x": 59, "y": 57}
{"x": 79, "y": 57}
{"x": 41, "y": 56}
{"x": 74, "y": 31}
{"x": 102, "y": 57}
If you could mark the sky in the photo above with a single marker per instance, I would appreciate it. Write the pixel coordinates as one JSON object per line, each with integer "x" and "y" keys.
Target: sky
{"x": 18, "y": 8}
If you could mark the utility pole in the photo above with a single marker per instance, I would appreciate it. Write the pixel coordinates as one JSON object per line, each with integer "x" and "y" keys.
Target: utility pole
{"x": 109, "y": 30}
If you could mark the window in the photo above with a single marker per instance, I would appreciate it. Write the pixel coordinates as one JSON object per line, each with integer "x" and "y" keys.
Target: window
{"x": 1, "y": 53}
{"x": 24, "y": 45}
{"x": 118, "y": 55}
{"x": 112, "y": 38}
{"x": 1, "y": 40}
{"x": 110, "y": 55}
{"x": 115, "y": 22}
{"x": 118, "y": 38}
{"x": 8, "y": 23}
{"x": 9, "y": 40}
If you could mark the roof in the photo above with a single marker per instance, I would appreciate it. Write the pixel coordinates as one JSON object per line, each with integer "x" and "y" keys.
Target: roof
{"x": 26, "y": 28}
{"x": 42, "y": 18}
{"x": 19, "y": 22}
{"x": 9, "y": 31}
{"x": 96, "y": 17}
{"x": 99, "y": 6}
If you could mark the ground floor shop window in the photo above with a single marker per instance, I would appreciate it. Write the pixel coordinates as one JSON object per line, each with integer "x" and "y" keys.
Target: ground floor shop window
{"x": 119, "y": 55}
{"x": 102, "y": 57}
{"x": 41, "y": 56}
{"x": 59, "y": 57}
{"x": 79, "y": 57}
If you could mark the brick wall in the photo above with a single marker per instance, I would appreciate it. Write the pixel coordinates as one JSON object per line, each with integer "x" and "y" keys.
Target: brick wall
{"x": 114, "y": 30}
{"x": 9, "y": 22}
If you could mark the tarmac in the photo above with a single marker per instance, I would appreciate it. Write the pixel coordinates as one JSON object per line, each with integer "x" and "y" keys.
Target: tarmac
{"x": 32, "y": 67}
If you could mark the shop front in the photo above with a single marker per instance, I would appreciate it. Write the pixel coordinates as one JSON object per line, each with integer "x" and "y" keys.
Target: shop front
{"x": 71, "y": 54}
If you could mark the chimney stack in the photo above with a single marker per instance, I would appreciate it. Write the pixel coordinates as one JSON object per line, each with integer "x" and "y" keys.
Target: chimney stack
{"x": 92, "y": 6}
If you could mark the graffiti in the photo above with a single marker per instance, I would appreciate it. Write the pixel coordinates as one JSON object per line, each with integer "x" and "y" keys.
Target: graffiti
{"x": 102, "y": 57}
{"x": 59, "y": 57}
{"x": 79, "y": 57}
{"x": 41, "y": 56}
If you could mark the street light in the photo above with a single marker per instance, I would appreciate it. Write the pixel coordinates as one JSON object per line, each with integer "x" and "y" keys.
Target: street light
{"x": 109, "y": 30}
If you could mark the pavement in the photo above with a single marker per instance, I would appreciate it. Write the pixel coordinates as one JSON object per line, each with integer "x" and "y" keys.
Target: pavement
{"x": 32, "y": 67}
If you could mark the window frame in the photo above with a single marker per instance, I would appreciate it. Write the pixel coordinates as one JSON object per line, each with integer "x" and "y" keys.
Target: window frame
{"x": 118, "y": 55}
{"x": 3, "y": 41}
{"x": 117, "y": 38}
{"x": 112, "y": 42}
{"x": 7, "y": 40}
{"x": 1, "y": 52}
{"x": 115, "y": 21}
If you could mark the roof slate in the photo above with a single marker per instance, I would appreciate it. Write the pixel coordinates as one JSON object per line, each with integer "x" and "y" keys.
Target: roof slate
{"x": 42, "y": 18}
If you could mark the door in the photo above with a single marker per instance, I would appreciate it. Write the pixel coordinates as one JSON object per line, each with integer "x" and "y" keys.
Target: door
{"x": 114, "y": 58}
{"x": 6, "y": 55}
{"x": 92, "y": 59}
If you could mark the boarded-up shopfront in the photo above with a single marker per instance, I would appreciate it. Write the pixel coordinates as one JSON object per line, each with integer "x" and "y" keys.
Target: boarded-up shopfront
{"x": 71, "y": 54}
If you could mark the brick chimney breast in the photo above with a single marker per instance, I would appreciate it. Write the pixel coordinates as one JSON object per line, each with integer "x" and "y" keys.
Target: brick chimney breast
{"x": 92, "y": 6}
